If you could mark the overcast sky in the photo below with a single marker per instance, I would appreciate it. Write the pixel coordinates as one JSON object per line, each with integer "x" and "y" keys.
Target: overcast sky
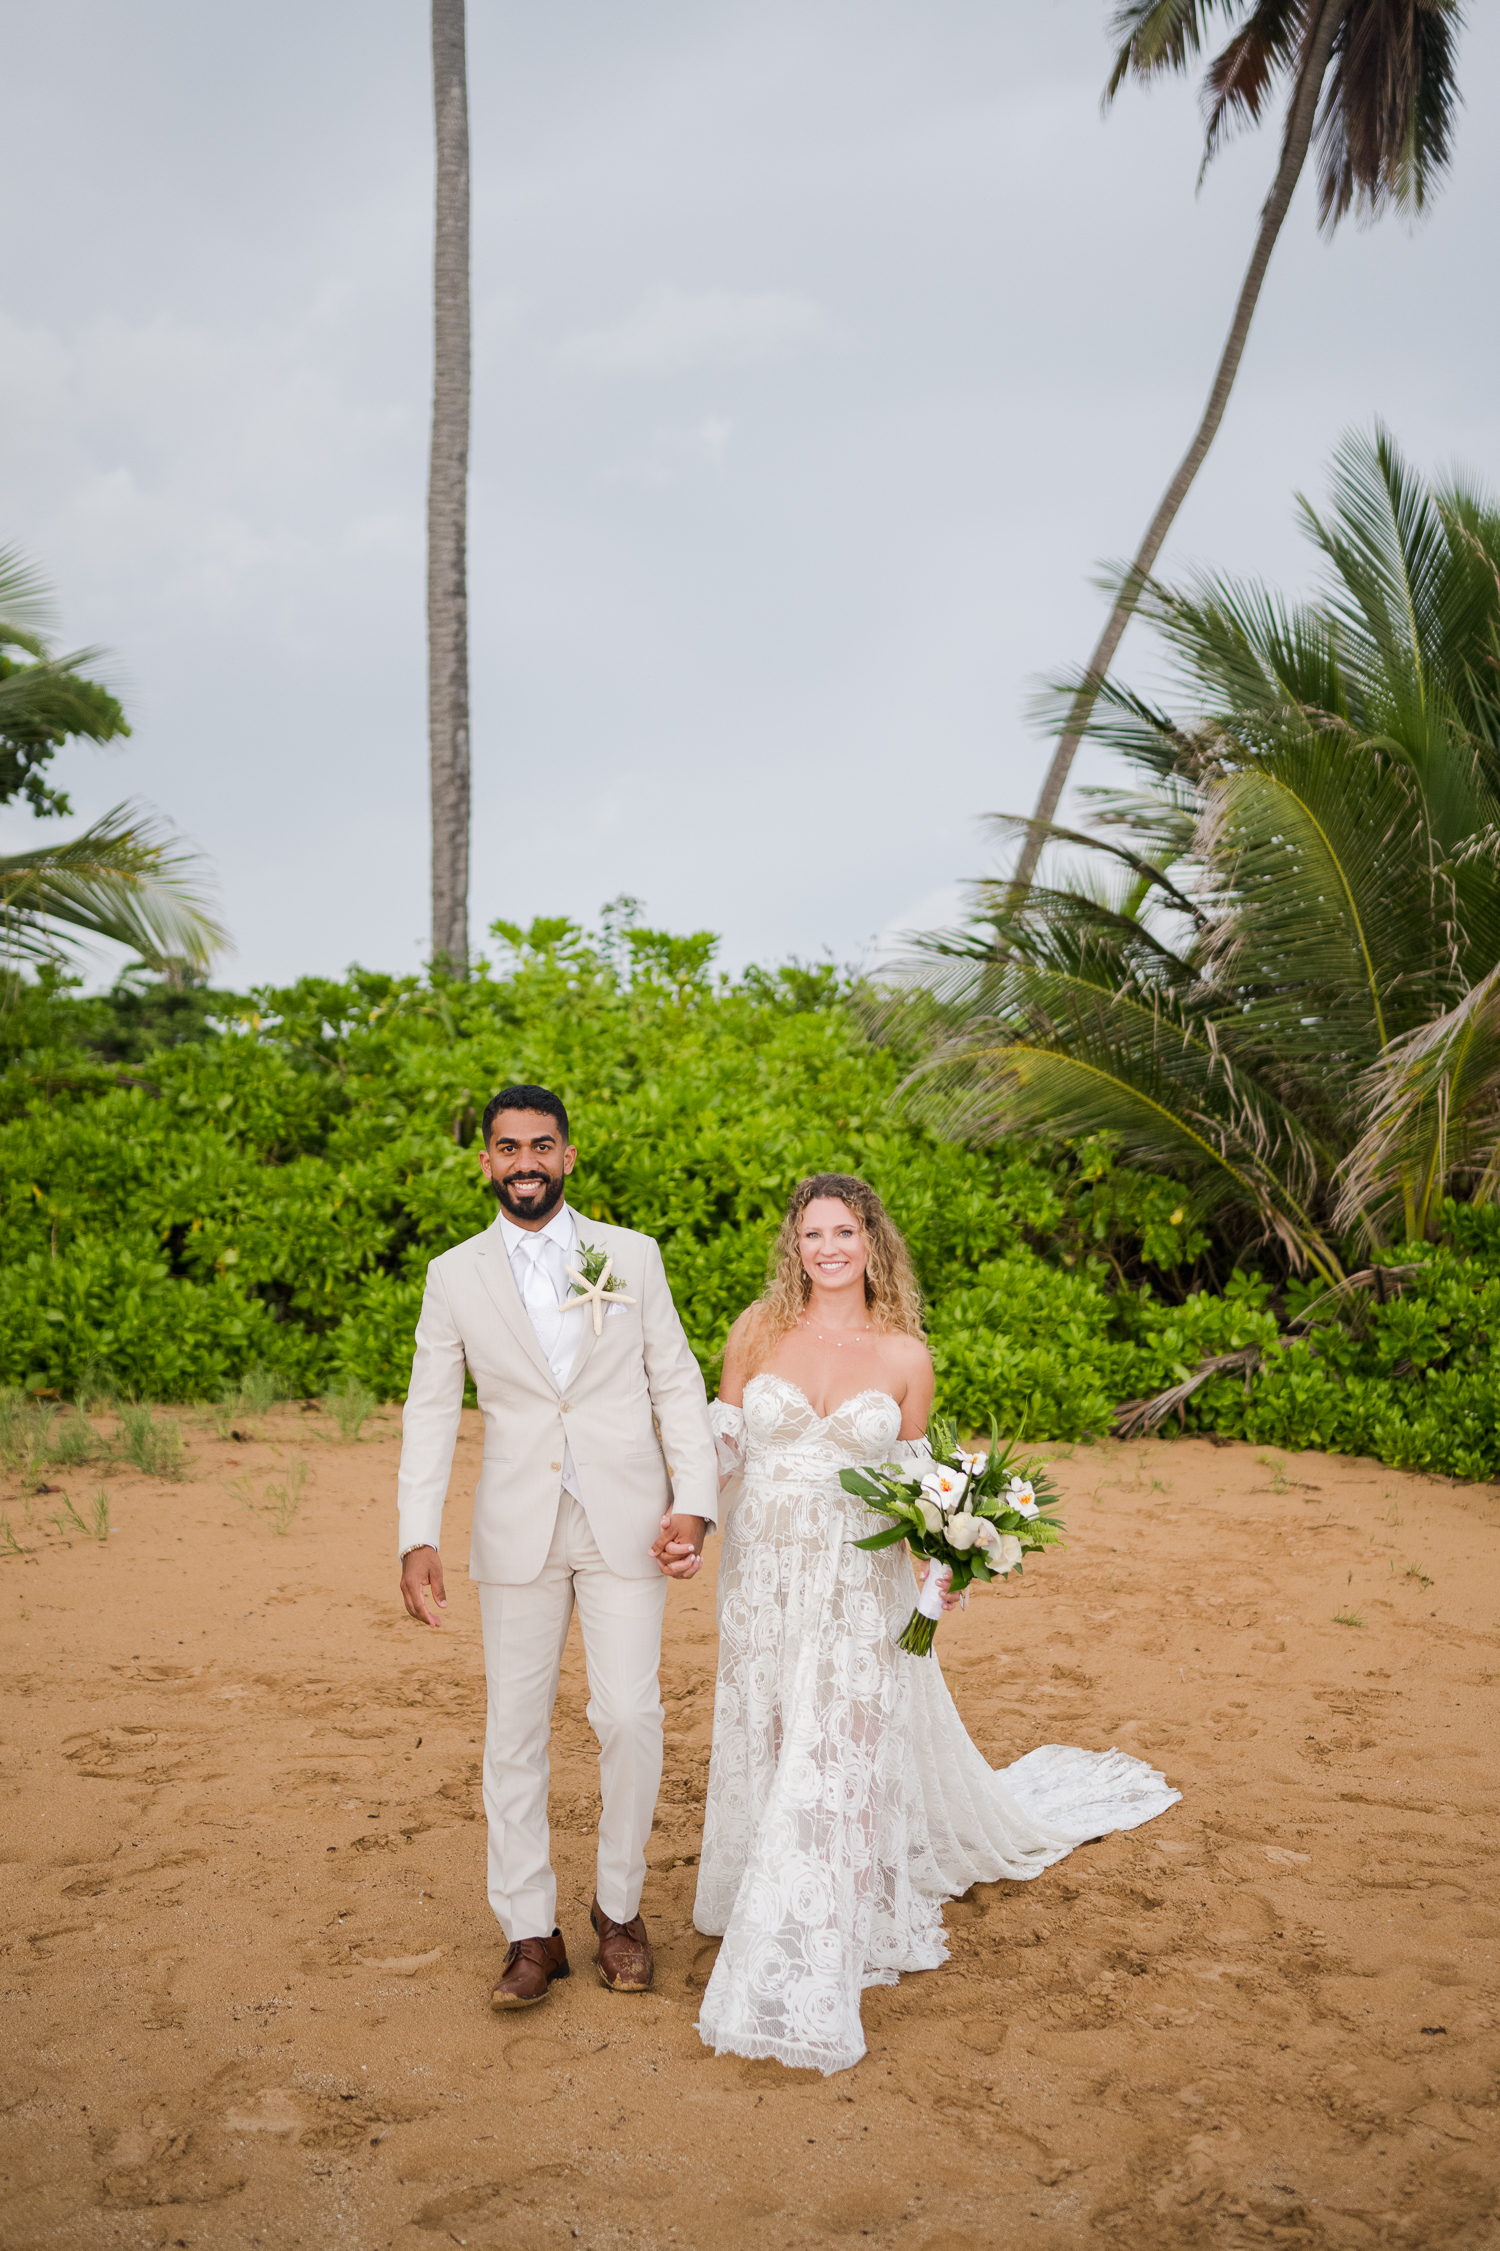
{"x": 823, "y": 349}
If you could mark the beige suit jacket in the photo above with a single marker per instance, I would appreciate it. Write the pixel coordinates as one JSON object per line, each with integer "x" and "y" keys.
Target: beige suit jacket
{"x": 639, "y": 1364}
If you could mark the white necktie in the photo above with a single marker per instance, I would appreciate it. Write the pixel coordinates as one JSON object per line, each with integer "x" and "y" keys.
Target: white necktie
{"x": 542, "y": 1280}
{"x": 540, "y": 1296}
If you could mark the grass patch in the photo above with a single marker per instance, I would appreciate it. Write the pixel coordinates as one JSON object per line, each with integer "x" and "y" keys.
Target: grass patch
{"x": 280, "y": 1504}
{"x": 152, "y": 1447}
{"x": 1347, "y": 1618}
{"x": 350, "y": 1406}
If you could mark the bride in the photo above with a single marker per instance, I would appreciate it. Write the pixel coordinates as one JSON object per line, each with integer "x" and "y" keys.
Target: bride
{"x": 845, "y": 1801}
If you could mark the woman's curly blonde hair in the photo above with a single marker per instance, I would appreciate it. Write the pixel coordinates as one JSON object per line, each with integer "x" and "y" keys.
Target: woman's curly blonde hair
{"x": 891, "y": 1291}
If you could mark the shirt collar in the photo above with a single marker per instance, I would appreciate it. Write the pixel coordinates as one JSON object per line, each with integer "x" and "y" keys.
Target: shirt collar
{"x": 560, "y": 1229}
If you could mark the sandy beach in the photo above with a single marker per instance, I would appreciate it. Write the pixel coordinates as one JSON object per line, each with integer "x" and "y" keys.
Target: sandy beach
{"x": 248, "y": 1955}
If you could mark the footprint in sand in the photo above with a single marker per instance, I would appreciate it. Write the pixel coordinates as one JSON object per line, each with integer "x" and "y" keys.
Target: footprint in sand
{"x": 531, "y": 2052}
{"x": 400, "y": 1965}
{"x": 703, "y": 1964}
{"x": 274, "y": 2112}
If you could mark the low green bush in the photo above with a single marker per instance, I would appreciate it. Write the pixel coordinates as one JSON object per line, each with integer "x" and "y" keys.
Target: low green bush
{"x": 237, "y": 1202}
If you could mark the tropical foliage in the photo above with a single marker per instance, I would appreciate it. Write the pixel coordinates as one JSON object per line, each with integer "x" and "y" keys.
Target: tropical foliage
{"x": 1272, "y": 972}
{"x": 201, "y": 1192}
{"x": 122, "y": 878}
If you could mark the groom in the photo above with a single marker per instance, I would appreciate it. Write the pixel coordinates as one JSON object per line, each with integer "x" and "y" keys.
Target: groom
{"x": 598, "y": 1482}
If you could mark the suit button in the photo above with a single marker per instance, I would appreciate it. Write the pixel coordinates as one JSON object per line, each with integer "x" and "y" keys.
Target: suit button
{"x": 557, "y": 1465}
{"x": 565, "y": 1406}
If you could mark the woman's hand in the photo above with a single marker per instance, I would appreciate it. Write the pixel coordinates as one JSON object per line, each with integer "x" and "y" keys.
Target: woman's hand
{"x": 950, "y": 1601}
{"x": 679, "y": 1549}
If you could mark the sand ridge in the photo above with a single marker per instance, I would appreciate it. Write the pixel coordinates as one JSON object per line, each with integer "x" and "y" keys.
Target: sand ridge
{"x": 248, "y": 1957}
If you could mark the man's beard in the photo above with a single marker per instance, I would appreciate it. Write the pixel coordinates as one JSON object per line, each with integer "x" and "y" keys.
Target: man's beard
{"x": 534, "y": 1207}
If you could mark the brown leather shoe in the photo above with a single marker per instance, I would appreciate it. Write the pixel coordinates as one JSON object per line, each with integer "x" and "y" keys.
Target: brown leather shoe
{"x": 626, "y": 1963}
{"x": 530, "y": 1966}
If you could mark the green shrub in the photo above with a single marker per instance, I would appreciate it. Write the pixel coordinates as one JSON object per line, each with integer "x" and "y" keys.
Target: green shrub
{"x": 254, "y": 1220}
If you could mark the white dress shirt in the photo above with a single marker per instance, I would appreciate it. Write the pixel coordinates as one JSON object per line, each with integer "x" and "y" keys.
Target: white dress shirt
{"x": 537, "y": 1259}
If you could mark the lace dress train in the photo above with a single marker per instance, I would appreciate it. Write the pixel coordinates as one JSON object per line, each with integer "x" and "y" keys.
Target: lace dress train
{"x": 845, "y": 1799}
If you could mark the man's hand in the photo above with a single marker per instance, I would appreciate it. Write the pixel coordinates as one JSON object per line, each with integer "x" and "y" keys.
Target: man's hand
{"x": 679, "y": 1549}
{"x": 421, "y": 1574}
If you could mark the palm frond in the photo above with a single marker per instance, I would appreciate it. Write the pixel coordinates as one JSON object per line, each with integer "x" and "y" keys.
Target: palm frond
{"x": 51, "y": 699}
{"x": 1151, "y": 874}
{"x": 1074, "y": 1061}
{"x": 1240, "y": 79}
{"x": 1389, "y": 107}
{"x": 25, "y": 604}
{"x": 1389, "y": 547}
{"x": 123, "y": 879}
{"x": 1159, "y": 35}
{"x": 1322, "y": 880}
{"x": 1434, "y": 1111}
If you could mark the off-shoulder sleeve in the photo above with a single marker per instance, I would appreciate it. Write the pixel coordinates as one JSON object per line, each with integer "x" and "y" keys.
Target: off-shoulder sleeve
{"x": 728, "y": 1426}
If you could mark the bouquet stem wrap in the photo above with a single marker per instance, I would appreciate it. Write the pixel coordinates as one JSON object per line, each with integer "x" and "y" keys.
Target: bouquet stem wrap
{"x": 922, "y": 1625}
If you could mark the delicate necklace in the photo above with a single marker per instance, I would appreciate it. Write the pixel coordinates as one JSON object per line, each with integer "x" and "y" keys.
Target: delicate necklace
{"x": 856, "y": 1336}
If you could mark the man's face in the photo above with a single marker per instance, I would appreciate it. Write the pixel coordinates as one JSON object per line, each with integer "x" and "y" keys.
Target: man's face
{"x": 526, "y": 1164}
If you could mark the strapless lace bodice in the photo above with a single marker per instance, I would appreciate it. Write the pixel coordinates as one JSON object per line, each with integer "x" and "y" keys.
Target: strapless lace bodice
{"x": 784, "y": 1435}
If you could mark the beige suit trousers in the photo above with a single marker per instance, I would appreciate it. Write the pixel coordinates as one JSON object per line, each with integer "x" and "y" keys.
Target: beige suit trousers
{"x": 525, "y": 1628}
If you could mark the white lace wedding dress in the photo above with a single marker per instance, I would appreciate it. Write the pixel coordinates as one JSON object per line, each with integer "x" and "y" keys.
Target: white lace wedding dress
{"x": 845, "y": 1800}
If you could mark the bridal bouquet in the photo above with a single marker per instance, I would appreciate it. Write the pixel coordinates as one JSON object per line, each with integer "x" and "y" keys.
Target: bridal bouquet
{"x": 974, "y": 1516}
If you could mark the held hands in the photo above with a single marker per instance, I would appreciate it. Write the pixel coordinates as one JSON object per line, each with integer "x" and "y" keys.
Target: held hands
{"x": 679, "y": 1549}
{"x": 421, "y": 1575}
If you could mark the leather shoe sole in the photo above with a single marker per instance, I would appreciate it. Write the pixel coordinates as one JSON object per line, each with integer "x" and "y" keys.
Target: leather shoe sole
{"x": 499, "y": 2000}
{"x": 523, "y": 1961}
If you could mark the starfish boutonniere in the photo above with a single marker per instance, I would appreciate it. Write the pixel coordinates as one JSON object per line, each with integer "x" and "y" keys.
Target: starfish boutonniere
{"x": 593, "y": 1286}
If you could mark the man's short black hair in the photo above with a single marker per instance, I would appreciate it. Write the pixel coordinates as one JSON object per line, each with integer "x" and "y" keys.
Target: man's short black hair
{"x": 525, "y": 1098}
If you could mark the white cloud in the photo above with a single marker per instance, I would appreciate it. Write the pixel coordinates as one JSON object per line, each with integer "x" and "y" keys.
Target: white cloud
{"x": 668, "y": 329}
{"x": 673, "y": 452}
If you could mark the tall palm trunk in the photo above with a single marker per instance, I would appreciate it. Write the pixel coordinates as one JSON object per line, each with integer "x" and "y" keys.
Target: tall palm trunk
{"x": 447, "y": 499}
{"x": 1278, "y": 202}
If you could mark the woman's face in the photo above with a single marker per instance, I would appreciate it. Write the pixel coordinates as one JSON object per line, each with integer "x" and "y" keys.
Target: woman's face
{"x": 832, "y": 1247}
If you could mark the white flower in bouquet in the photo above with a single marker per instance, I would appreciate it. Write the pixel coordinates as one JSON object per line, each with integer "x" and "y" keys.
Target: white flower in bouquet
{"x": 975, "y": 1464}
{"x": 932, "y": 1515}
{"x": 963, "y": 1531}
{"x": 946, "y": 1486}
{"x": 1002, "y": 1549}
{"x": 1020, "y": 1495}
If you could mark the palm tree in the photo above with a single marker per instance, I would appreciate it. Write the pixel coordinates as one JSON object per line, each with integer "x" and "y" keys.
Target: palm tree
{"x": 121, "y": 879}
{"x": 1385, "y": 72}
{"x": 447, "y": 500}
{"x": 1277, "y": 975}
